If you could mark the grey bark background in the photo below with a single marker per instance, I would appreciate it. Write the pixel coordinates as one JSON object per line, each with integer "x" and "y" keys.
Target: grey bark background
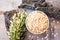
{"x": 55, "y": 3}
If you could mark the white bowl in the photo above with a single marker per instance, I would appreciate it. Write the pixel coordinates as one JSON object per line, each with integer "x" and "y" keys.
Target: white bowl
{"x": 40, "y": 32}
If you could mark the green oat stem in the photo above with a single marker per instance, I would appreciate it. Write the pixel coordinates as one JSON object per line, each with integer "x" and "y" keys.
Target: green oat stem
{"x": 16, "y": 27}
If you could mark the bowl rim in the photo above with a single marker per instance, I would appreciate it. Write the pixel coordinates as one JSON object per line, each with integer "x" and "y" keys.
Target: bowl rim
{"x": 46, "y": 17}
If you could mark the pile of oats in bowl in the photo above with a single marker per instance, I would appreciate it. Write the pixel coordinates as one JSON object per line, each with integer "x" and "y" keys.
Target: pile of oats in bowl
{"x": 37, "y": 22}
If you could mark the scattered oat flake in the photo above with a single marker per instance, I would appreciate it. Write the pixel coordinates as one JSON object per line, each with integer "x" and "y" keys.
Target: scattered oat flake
{"x": 53, "y": 20}
{"x": 52, "y": 33}
{"x": 57, "y": 21}
{"x": 42, "y": 38}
